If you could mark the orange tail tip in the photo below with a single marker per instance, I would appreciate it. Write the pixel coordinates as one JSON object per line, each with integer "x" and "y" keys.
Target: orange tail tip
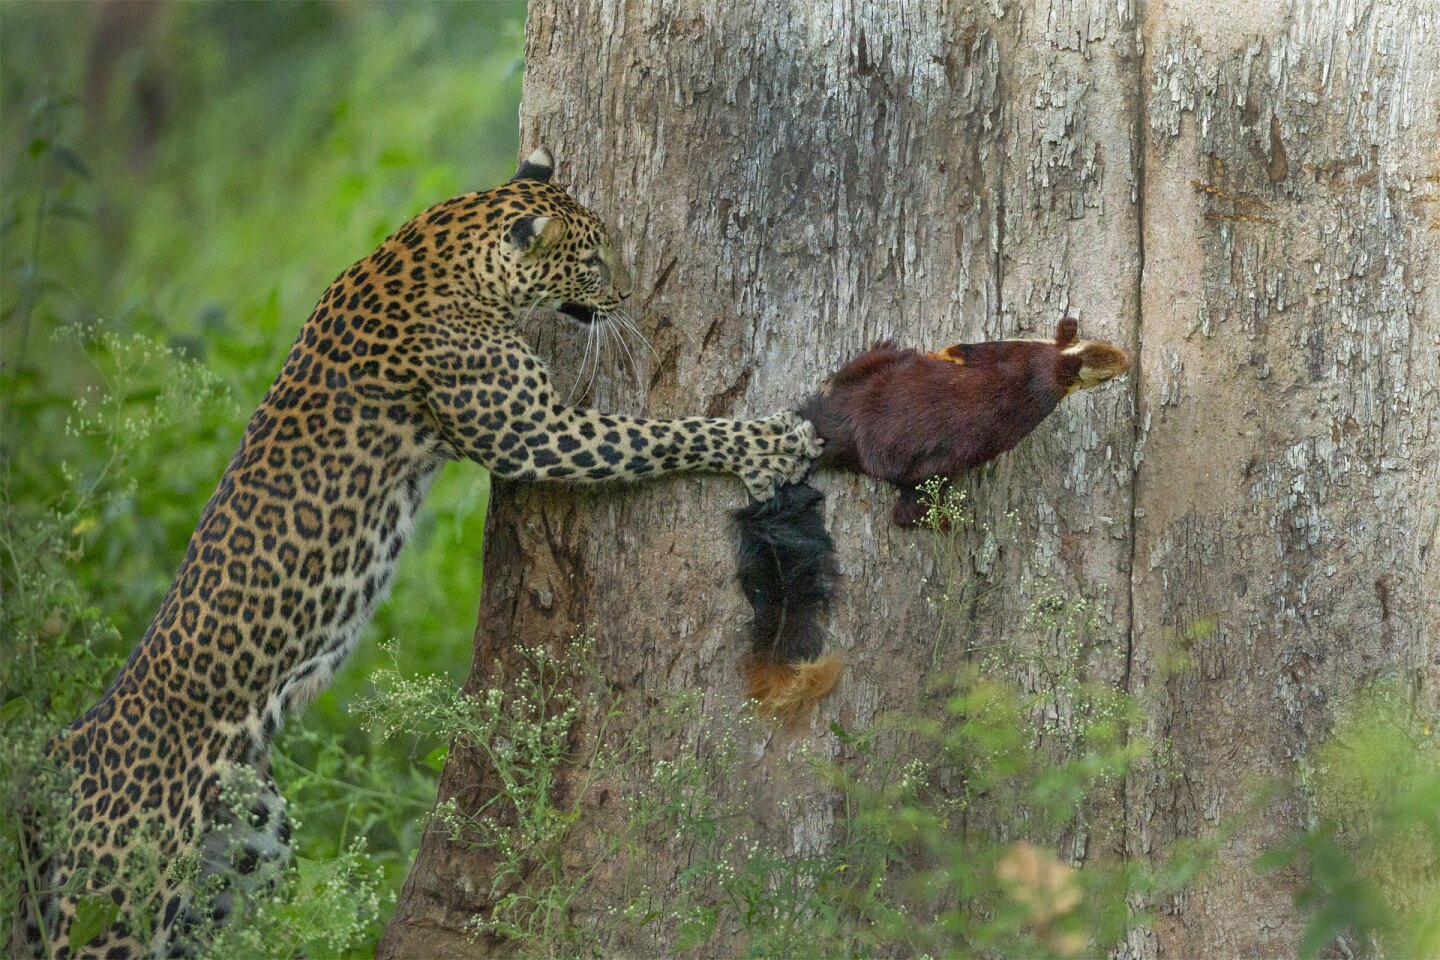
{"x": 785, "y": 690}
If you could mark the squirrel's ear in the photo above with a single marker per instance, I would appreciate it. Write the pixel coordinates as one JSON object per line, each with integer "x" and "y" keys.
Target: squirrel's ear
{"x": 1066, "y": 332}
{"x": 532, "y": 235}
{"x": 540, "y": 166}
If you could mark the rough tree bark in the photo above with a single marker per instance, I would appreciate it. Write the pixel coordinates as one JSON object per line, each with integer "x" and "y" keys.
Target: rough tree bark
{"x": 1289, "y": 479}
{"x": 1256, "y": 217}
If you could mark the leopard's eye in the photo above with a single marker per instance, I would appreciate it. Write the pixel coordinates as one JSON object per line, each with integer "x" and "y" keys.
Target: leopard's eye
{"x": 593, "y": 260}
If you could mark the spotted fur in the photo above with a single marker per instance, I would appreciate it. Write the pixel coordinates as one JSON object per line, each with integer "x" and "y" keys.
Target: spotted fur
{"x": 409, "y": 360}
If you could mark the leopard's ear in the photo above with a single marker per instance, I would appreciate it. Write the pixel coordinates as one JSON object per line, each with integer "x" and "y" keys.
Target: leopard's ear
{"x": 535, "y": 235}
{"x": 540, "y": 166}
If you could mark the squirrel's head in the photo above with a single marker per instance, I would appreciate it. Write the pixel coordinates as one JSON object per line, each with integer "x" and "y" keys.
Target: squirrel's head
{"x": 1086, "y": 363}
{"x": 1078, "y": 364}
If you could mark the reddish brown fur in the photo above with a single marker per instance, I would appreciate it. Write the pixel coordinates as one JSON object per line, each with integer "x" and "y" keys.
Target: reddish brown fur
{"x": 899, "y": 415}
{"x": 785, "y": 690}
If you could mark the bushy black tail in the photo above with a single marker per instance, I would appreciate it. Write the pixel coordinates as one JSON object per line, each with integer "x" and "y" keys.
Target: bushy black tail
{"x": 787, "y": 570}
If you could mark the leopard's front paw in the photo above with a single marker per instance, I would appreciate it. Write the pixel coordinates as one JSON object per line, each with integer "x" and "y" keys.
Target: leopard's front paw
{"x": 795, "y": 435}
{"x": 786, "y": 445}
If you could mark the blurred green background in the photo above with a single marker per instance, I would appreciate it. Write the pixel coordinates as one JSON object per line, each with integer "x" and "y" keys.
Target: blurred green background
{"x": 190, "y": 176}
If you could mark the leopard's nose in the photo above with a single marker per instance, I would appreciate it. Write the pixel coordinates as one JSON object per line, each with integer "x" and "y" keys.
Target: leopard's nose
{"x": 620, "y": 279}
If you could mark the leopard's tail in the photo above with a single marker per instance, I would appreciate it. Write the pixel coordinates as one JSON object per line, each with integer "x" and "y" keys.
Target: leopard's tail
{"x": 787, "y": 570}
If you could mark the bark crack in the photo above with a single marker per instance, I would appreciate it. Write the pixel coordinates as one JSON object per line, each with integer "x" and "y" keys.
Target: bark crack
{"x": 1141, "y": 144}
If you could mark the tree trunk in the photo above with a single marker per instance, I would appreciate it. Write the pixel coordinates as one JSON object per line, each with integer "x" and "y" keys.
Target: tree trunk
{"x": 1289, "y": 479}
{"x": 794, "y": 181}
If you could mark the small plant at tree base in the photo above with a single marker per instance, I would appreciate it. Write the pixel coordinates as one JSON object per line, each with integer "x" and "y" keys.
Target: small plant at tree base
{"x": 959, "y": 565}
{"x": 523, "y": 732}
{"x": 1372, "y": 859}
{"x": 314, "y": 909}
{"x": 949, "y": 841}
{"x": 930, "y": 853}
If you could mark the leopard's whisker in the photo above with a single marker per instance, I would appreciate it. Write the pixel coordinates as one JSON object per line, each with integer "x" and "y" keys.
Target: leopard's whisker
{"x": 629, "y": 357}
{"x": 592, "y": 374}
{"x": 528, "y": 310}
{"x": 619, "y": 331}
{"x": 624, "y": 317}
{"x": 600, "y": 344}
{"x": 598, "y": 359}
{"x": 630, "y": 322}
{"x": 636, "y": 363}
{"x": 580, "y": 373}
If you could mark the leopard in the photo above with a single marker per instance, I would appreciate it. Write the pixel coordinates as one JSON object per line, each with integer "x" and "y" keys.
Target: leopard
{"x": 414, "y": 356}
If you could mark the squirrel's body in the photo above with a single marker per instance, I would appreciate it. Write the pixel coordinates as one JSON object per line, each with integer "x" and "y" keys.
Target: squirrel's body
{"x": 901, "y": 416}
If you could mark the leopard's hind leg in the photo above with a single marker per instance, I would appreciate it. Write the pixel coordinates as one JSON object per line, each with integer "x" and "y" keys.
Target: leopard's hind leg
{"x": 245, "y": 848}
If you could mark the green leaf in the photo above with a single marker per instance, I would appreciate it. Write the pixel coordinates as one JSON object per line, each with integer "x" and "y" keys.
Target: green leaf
{"x": 13, "y": 708}
{"x": 1277, "y": 858}
{"x": 312, "y": 873}
{"x": 69, "y": 211}
{"x": 1319, "y": 933}
{"x": 695, "y": 931}
{"x": 93, "y": 916}
{"x": 399, "y": 157}
{"x": 435, "y": 759}
{"x": 71, "y": 160}
{"x": 267, "y": 316}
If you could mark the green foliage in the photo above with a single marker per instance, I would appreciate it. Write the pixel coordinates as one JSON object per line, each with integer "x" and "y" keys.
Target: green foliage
{"x": 947, "y": 841}
{"x": 320, "y": 908}
{"x": 297, "y": 136}
{"x": 156, "y": 264}
{"x": 61, "y": 649}
{"x": 1372, "y": 859}
{"x": 976, "y": 821}
{"x": 521, "y": 735}
{"x": 57, "y": 662}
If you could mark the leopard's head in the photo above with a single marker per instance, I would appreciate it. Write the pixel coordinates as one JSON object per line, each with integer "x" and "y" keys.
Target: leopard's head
{"x": 559, "y": 253}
